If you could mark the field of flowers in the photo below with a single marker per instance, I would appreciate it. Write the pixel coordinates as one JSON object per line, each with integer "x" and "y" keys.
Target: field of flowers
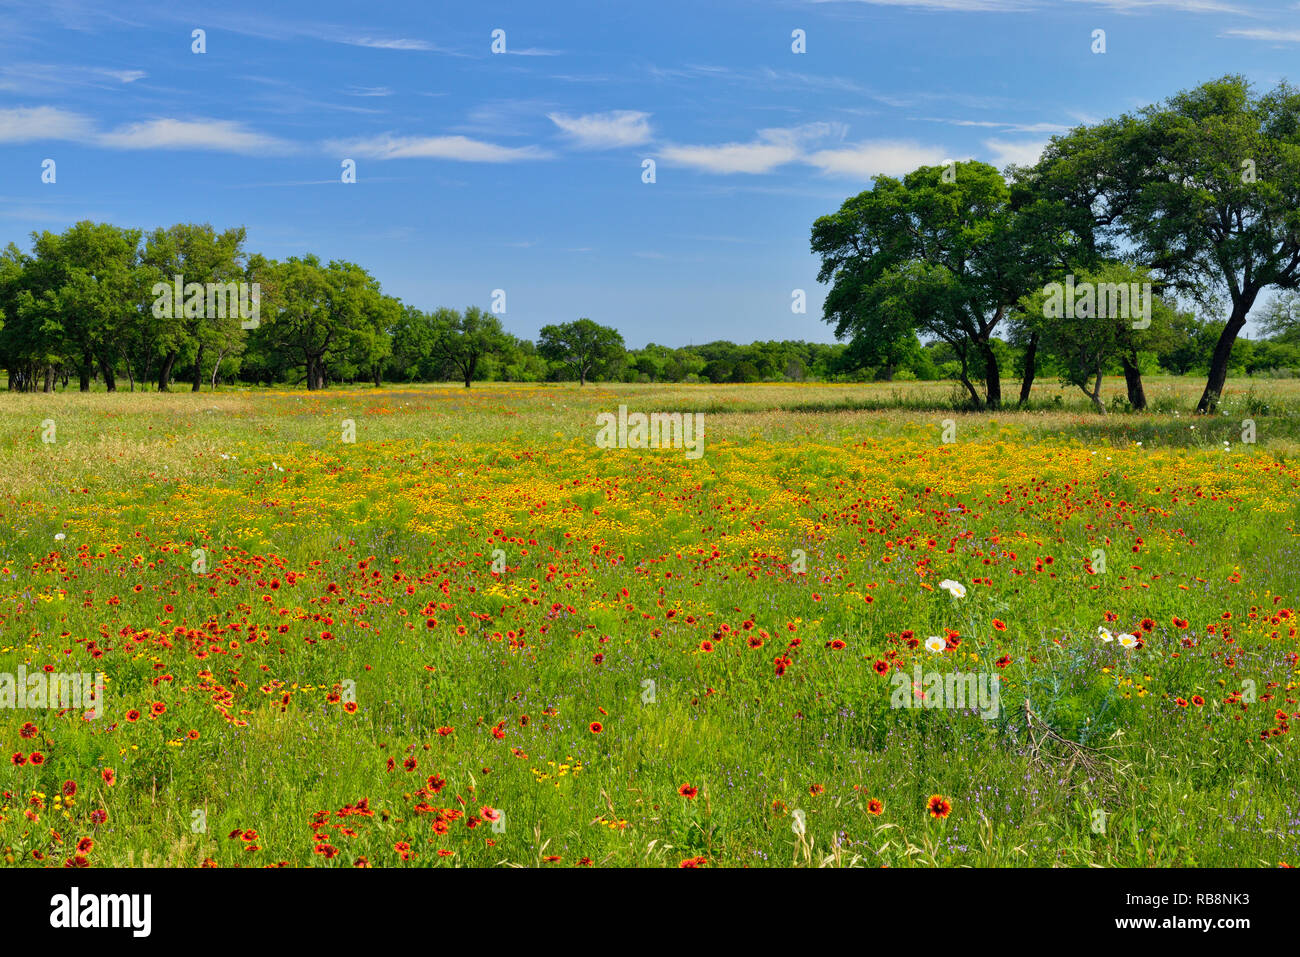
{"x": 435, "y": 627}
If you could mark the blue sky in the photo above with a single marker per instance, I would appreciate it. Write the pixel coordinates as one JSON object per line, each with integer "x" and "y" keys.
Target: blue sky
{"x": 522, "y": 170}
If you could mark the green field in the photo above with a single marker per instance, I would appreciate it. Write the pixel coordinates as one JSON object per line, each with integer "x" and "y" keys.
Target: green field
{"x": 322, "y": 651}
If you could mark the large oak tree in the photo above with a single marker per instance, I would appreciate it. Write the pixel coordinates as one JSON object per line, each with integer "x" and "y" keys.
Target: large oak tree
{"x": 586, "y": 347}
{"x": 1203, "y": 189}
{"x": 942, "y": 253}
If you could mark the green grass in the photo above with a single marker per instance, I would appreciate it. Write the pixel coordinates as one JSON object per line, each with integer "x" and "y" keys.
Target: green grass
{"x": 440, "y": 478}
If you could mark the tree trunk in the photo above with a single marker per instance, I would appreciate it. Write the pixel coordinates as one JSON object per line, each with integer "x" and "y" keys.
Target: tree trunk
{"x": 1095, "y": 394}
{"x": 106, "y": 367}
{"x": 216, "y": 368}
{"x": 965, "y": 380}
{"x": 49, "y": 379}
{"x": 198, "y": 370}
{"x": 165, "y": 373}
{"x": 1137, "y": 396}
{"x": 1031, "y": 361}
{"x": 378, "y": 370}
{"x": 1222, "y": 351}
{"x": 315, "y": 373}
{"x": 87, "y": 367}
{"x": 992, "y": 378}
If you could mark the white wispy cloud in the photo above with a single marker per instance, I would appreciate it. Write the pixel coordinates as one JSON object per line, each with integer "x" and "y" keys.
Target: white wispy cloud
{"x": 381, "y": 43}
{"x": 603, "y": 131}
{"x": 222, "y": 136}
{"x": 755, "y": 157}
{"x": 27, "y": 125}
{"x": 1004, "y": 125}
{"x": 770, "y": 149}
{"x": 41, "y": 79}
{"x": 876, "y": 158}
{"x": 1020, "y": 153}
{"x": 125, "y": 76}
{"x": 31, "y": 124}
{"x": 266, "y": 27}
{"x": 766, "y": 78}
{"x": 335, "y": 34}
{"x": 494, "y": 119}
{"x": 819, "y": 145}
{"x": 1183, "y": 6}
{"x": 1265, "y": 33}
{"x": 462, "y": 148}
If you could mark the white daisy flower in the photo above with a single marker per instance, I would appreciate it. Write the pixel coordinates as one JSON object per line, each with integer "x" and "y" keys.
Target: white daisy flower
{"x": 1128, "y": 641}
{"x": 935, "y": 643}
{"x": 956, "y": 589}
{"x": 60, "y": 537}
{"x": 1105, "y": 635}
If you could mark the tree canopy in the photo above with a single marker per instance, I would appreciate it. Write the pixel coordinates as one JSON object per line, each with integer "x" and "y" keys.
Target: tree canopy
{"x": 584, "y": 346}
{"x": 940, "y": 253}
{"x": 1203, "y": 189}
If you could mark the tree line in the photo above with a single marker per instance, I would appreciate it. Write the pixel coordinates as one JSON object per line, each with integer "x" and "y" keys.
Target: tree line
{"x": 82, "y": 307}
{"x": 99, "y": 302}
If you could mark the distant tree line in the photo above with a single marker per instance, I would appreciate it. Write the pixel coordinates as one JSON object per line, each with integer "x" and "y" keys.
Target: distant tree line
{"x": 83, "y": 307}
{"x": 99, "y": 303}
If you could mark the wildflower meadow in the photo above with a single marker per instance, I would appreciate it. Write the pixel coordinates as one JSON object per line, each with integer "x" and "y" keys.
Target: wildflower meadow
{"x": 434, "y": 627}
